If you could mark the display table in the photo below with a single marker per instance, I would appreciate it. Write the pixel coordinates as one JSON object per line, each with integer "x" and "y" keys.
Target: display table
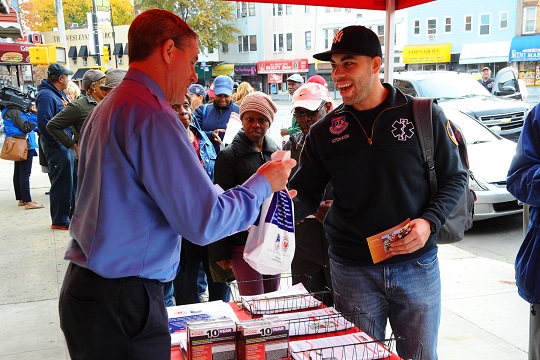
{"x": 178, "y": 354}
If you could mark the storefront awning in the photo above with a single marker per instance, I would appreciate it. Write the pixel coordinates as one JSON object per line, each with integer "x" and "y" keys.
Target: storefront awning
{"x": 118, "y": 50}
{"x": 79, "y": 74}
{"x": 72, "y": 52}
{"x": 525, "y": 48}
{"x": 9, "y": 25}
{"x": 482, "y": 53}
{"x": 223, "y": 69}
{"x": 83, "y": 51}
{"x": 282, "y": 66}
{"x": 427, "y": 54}
{"x": 14, "y": 54}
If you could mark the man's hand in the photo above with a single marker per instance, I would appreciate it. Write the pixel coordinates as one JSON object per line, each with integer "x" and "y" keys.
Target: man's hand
{"x": 76, "y": 148}
{"x": 416, "y": 239}
{"x": 215, "y": 136}
{"x": 277, "y": 173}
{"x": 284, "y": 132}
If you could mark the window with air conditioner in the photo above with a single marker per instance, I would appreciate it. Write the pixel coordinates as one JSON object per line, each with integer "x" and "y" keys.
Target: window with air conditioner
{"x": 432, "y": 29}
{"x": 243, "y": 14}
{"x": 279, "y": 13}
{"x": 280, "y": 49}
{"x": 529, "y": 19}
{"x": 120, "y": 61}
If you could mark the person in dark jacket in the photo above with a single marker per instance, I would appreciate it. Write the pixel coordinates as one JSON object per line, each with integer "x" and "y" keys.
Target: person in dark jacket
{"x": 76, "y": 112}
{"x": 213, "y": 118}
{"x": 369, "y": 149}
{"x": 523, "y": 182}
{"x": 50, "y": 100}
{"x": 311, "y": 102}
{"x": 192, "y": 255}
{"x": 236, "y": 163}
{"x": 22, "y": 124}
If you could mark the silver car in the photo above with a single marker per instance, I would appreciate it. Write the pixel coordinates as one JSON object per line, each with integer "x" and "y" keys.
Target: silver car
{"x": 489, "y": 159}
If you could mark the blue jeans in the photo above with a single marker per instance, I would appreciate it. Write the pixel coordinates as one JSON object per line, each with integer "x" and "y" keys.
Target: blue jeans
{"x": 61, "y": 172}
{"x": 21, "y": 178}
{"x": 407, "y": 294}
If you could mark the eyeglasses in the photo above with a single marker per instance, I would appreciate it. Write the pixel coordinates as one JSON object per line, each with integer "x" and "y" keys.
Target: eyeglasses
{"x": 308, "y": 113}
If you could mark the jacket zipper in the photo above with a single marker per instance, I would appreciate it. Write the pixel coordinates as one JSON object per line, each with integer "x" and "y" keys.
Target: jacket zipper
{"x": 370, "y": 138}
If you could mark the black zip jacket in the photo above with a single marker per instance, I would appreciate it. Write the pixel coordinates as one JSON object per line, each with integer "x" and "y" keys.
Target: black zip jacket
{"x": 378, "y": 176}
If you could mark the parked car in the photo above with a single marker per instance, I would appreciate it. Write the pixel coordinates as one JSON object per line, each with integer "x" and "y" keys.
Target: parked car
{"x": 461, "y": 91}
{"x": 489, "y": 159}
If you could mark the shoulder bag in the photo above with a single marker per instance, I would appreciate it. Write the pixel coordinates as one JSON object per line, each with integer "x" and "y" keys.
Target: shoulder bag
{"x": 14, "y": 149}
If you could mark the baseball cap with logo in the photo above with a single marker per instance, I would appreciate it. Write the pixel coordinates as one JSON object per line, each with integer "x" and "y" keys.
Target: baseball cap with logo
{"x": 354, "y": 40}
{"x": 223, "y": 85}
{"x": 318, "y": 79}
{"x": 58, "y": 70}
{"x": 485, "y": 68}
{"x": 310, "y": 96}
{"x": 197, "y": 89}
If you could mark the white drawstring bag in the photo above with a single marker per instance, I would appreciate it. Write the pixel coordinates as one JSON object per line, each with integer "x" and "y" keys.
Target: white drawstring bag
{"x": 271, "y": 243}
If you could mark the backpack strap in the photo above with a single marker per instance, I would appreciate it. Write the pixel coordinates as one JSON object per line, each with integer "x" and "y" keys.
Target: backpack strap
{"x": 421, "y": 108}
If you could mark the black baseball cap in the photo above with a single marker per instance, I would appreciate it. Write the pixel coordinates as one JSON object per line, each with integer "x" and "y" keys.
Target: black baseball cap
{"x": 57, "y": 70}
{"x": 354, "y": 40}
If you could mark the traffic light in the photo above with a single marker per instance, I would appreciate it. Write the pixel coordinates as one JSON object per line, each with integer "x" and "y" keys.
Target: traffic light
{"x": 106, "y": 53}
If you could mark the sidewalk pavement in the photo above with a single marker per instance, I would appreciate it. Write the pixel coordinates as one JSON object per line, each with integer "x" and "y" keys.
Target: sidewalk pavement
{"x": 482, "y": 317}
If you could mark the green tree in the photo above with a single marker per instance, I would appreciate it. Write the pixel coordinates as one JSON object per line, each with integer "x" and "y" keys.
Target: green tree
{"x": 40, "y": 15}
{"x": 212, "y": 20}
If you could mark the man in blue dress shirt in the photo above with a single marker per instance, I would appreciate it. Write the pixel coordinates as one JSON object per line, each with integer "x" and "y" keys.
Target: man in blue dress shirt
{"x": 141, "y": 188}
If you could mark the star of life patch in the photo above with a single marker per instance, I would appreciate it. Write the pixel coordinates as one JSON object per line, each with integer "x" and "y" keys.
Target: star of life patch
{"x": 450, "y": 133}
{"x": 339, "y": 125}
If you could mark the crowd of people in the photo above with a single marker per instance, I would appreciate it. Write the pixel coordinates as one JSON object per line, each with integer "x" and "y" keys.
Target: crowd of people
{"x": 158, "y": 206}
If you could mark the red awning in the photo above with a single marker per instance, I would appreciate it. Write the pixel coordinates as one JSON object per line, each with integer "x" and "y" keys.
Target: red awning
{"x": 355, "y": 4}
{"x": 390, "y": 6}
{"x": 14, "y": 54}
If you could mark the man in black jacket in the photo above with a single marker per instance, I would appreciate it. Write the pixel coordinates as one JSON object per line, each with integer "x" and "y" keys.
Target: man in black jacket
{"x": 369, "y": 149}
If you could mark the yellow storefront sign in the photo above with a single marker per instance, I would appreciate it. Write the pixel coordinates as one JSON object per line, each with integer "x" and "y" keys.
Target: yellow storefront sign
{"x": 427, "y": 54}
{"x": 322, "y": 65}
{"x": 223, "y": 69}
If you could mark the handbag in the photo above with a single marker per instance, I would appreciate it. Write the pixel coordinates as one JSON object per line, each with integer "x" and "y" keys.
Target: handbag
{"x": 14, "y": 149}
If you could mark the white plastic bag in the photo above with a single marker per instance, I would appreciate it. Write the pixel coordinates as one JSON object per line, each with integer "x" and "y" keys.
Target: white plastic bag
{"x": 271, "y": 243}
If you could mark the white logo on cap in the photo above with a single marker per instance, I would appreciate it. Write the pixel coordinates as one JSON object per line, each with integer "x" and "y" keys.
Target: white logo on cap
{"x": 338, "y": 36}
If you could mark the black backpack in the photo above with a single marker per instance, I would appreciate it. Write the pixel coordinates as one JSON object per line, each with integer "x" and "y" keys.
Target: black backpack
{"x": 461, "y": 218}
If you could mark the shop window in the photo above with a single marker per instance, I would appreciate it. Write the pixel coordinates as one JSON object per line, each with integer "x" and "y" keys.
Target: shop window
{"x": 485, "y": 24}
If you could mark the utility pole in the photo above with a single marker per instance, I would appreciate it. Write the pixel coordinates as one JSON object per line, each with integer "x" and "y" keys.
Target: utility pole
{"x": 61, "y": 24}
{"x": 96, "y": 34}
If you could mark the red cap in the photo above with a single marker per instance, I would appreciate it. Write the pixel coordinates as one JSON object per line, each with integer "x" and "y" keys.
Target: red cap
{"x": 318, "y": 79}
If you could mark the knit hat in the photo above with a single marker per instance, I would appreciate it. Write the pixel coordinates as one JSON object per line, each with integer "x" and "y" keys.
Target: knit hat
{"x": 113, "y": 78}
{"x": 259, "y": 102}
{"x": 90, "y": 77}
{"x": 353, "y": 40}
